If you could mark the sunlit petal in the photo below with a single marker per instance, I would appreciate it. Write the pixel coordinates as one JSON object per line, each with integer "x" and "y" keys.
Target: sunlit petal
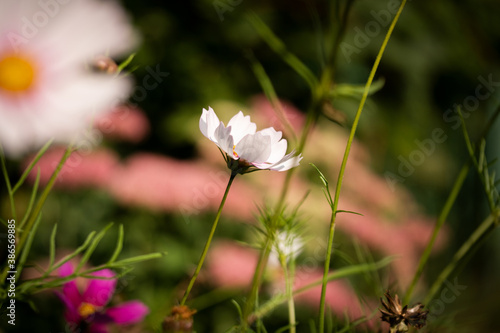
{"x": 241, "y": 126}
{"x": 254, "y": 148}
{"x": 209, "y": 123}
{"x": 245, "y": 148}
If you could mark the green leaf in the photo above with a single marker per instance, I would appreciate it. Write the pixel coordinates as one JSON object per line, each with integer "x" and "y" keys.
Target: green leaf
{"x": 238, "y": 308}
{"x": 285, "y": 328}
{"x": 92, "y": 247}
{"x": 119, "y": 245}
{"x": 270, "y": 92}
{"x": 355, "y": 90}
{"x": 125, "y": 63}
{"x": 4, "y": 170}
{"x": 32, "y": 200}
{"x": 137, "y": 259}
{"x": 321, "y": 176}
{"x": 52, "y": 250}
{"x": 70, "y": 256}
{"x": 279, "y": 47}
{"x": 348, "y": 211}
{"x": 338, "y": 274}
{"x": 31, "y": 165}
{"x": 27, "y": 246}
{"x": 9, "y": 190}
{"x": 326, "y": 187}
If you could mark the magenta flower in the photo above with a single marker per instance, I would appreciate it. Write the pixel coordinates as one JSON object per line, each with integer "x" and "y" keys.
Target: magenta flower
{"x": 87, "y": 311}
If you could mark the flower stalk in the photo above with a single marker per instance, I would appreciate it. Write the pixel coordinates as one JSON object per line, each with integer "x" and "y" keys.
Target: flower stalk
{"x": 38, "y": 208}
{"x": 344, "y": 163}
{"x": 441, "y": 219}
{"x": 209, "y": 240}
{"x": 289, "y": 277}
{"x": 472, "y": 243}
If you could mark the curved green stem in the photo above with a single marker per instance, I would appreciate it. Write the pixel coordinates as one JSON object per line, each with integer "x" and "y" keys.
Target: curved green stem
{"x": 344, "y": 163}
{"x": 480, "y": 234}
{"x": 441, "y": 219}
{"x": 266, "y": 249}
{"x": 7, "y": 183}
{"x": 209, "y": 240}
{"x": 335, "y": 275}
{"x": 289, "y": 277}
{"x": 38, "y": 208}
{"x": 259, "y": 271}
{"x": 449, "y": 203}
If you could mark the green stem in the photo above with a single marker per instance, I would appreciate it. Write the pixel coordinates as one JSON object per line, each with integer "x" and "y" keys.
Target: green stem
{"x": 7, "y": 183}
{"x": 484, "y": 230}
{"x": 289, "y": 276}
{"x": 33, "y": 217}
{"x": 449, "y": 203}
{"x": 441, "y": 219}
{"x": 209, "y": 240}
{"x": 266, "y": 249}
{"x": 344, "y": 163}
{"x": 259, "y": 271}
{"x": 341, "y": 273}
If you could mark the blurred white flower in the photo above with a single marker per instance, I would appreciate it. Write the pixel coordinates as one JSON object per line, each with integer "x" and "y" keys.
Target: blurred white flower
{"x": 247, "y": 150}
{"x": 287, "y": 245}
{"x": 46, "y": 87}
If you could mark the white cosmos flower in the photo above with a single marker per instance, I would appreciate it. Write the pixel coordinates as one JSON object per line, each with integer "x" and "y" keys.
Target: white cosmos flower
{"x": 286, "y": 244}
{"x": 47, "y": 90}
{"x": 245, "y": 148}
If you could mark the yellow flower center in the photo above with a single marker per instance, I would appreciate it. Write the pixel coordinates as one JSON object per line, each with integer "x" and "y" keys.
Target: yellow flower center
{"x": 234, "y": 152}
{"x": 86, "y": 310}
{"x": 16, "y": 74}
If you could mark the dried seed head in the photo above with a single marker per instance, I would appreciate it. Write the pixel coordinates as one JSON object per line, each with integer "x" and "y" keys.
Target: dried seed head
{"x": 180, "y": 320}
{"x": 398, "y": 317}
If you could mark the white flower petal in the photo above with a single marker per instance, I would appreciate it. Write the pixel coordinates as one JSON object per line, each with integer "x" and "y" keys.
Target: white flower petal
{"x": 209, "y": 123}
{"x": 265, "y": 149}
{"x": 224, "y": 139}
{"x": 64, "y": 98}
{"x": 241, "y": 126}
{"x": 274, "y": 134}
{"x": 278, "y": 146}
{"x": 287, "y": 162}
{"x": 254, "y": 148}
{"x": 87, "y": 28}
{"x": 278, "y": 151}
{"x": 62, "y": 112}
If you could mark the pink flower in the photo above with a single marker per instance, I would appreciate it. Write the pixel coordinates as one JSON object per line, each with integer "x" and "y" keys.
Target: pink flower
{"x": 124, "y": 123}
{"x": 165, "y": 184}
{"x": 88, "y": 308}
{"x": 231, "y": 265}
{"x": 93, "y": 169}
